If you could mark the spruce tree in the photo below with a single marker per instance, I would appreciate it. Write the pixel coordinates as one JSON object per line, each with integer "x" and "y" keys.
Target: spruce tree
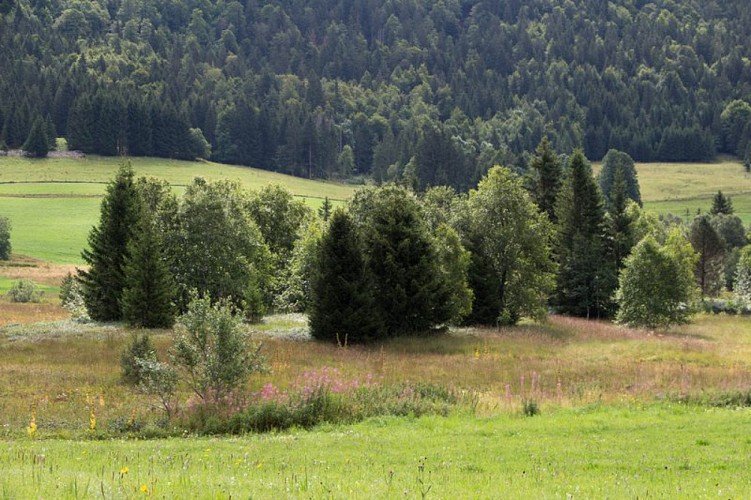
{"x": 618, "y": 166}
{"x": 721, "y": 204}
{"x": 342, "y": 305}
{"x": 547, "y": 178}
{"x": 587, "y": 277}
{"x": 104, "y": 281}
{"x": 620, "y": 220}
{"x": 147, "y": 299}
{"x": 5, "y": 246}
{"x": 37, "y": 143}
{"x": 711, "y": 249}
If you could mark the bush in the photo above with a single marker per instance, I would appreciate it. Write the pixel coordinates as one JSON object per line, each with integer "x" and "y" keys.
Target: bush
{"x": 212, "y": 351}
{"x": 139, "y": 349}
{"x": 24, "y": 291}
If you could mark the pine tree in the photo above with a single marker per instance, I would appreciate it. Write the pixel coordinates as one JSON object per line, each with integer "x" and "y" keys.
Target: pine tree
{"x": 721, "y": 204}
{"x": 342, "y": 305}
{"x": 587, "y": 277}
{"x": 708, "y": 244}
{"x": 37, "y": 144}
{"x": 615, "y": 164}
{"x": 104, "y": 281}
{"x": 547, "y": 178}
{"x": 147, "y": 299}
{"x": 620, "y": 220}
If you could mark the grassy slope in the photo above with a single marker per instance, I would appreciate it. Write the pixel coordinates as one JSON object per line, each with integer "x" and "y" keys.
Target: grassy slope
{"x": 675, "y": 187}
{"x": 53, "y": 203}
{"x": 595, "y": 452}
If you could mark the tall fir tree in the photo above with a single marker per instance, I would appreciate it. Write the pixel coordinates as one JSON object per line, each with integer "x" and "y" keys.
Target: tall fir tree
{"x": 587, "y": 277}
{"x": 622, "y": 233}
{"x": 342, "y": 305}
{"x": 104, "y": 281}
{"x": 618, "y": 166}
{"x": 147, "y": 299}
{"x": 711, "y": 249}
{"x": 37, "y": 144}
{"x": 547, "y": 177}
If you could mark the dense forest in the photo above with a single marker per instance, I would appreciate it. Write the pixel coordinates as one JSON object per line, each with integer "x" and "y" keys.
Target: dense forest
{"x": 426, "y": 92}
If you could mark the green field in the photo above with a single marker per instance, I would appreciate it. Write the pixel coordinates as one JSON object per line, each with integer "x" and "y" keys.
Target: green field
{"x": 54, "y": 202}
{"x": 591, "y": 452}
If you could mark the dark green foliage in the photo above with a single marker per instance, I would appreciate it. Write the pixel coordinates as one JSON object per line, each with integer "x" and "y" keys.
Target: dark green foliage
{"x": 147, "y": 298}
{"x": 37, "y": 143}
{"x": 721, "y": 204}
{"x": 735, "y": 119}
{"x": 618, "y": 166}
{"x": 342, "y": 302}
{"x": 621, "y": 230}
{"x": 711, "y": 249}
{"x": 324, "y": 211}
{"x": 402, "y": 261}
{"x": 104, "y": 281}
{"x": 215, "y": 247}
{"x": 587, "y": 274}
{"x": 5, "y": 245}
{"x": 547, "y": 177}
{"x": 140, "y": 348}
{"x": 341, "y": 88}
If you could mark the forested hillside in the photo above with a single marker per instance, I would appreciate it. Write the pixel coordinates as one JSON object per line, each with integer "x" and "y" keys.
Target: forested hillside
{"x": 430, "y": 92}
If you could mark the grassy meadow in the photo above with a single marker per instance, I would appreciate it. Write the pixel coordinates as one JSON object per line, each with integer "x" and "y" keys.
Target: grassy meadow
{"x": 623, "y": 412}
{"x": 613, "y": 418}
{"x": 53, "y": 203}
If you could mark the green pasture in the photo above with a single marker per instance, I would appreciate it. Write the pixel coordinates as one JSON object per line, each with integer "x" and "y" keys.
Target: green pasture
{"x": 99, "y": 169}
{"x": 663, "y": 451}
{"x": 53, "y": 203}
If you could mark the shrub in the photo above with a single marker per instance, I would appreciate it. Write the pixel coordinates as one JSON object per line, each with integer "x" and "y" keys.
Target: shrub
{"x": 530, "y": 408}
{"x": 139, "y": 349}
{"x": 24, "y": 291}
{"x": 212, "y": 351}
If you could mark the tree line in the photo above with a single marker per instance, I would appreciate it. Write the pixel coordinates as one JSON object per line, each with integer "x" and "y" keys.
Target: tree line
{"x": 394, "y": 261}
{"x": 431, "y": 93}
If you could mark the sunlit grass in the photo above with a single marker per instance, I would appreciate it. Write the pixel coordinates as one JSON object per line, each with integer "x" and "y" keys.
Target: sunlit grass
{"x": 663, "y": 451}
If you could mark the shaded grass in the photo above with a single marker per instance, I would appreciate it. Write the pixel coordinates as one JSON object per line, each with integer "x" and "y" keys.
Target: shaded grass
{"x": 593, "y": 452}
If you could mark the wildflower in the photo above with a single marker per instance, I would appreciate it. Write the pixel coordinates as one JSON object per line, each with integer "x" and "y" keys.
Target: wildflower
{"x": 32, "y": 428}
{"x": 144, "y": 488}
{"x": 92, "y": 419}
{"x": 124, "y": 470}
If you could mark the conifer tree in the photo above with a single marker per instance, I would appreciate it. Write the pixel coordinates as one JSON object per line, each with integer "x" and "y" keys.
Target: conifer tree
{"x": 104, "y": 281}
{"x": 620, "y": 220}
{"x": 618, "y": 166}
{"x": 37, "y": 143}
{"x": 5, "y": 246}
{"x": 587, "y": 276}
{"x": 547, "y": 178}
{"x": 342, "y": 306}
{"x": 147, "y": 299}
{"x": 721, "y": 204}
{"x": 711, "y": 249}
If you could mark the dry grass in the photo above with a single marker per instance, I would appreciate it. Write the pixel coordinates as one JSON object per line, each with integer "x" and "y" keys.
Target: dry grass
{"x": 64, "y": 366}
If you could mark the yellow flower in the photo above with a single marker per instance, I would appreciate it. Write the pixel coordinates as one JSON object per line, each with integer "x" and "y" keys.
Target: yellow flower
{"x": 124, "y": 470}
{"x": 32, "y": 429}
{"x": 144, "y": 489}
